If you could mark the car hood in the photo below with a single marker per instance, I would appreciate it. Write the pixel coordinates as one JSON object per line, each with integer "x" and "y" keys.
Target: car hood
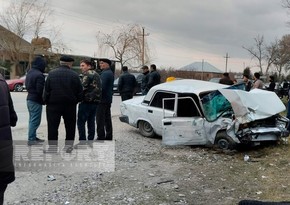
{"x": 254, "y": 105}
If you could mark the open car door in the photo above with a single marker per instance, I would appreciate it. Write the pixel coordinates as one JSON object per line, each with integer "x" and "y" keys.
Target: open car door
{"x": 187, "y": 127}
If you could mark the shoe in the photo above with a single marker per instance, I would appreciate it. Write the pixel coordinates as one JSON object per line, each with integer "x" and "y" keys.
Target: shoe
{"x": 34, "y": 142}
{"x": 81, "y": 145}
{"x": 90, "y": 143}
{"x": 39, "y": 140}
{"x": 68, "y": 148}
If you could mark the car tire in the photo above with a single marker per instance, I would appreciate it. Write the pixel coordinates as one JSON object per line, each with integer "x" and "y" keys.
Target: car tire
{"x": 18, "y": 87}
{"x": 146, "y": 129}
{"x": 224, "y": 142}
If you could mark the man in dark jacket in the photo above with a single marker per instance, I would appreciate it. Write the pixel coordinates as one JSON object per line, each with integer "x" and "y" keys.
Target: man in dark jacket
{"x": 145, "y": 79}
{"x": 127, "y": 84}
{"x": 92, "y": 90}
{"x": 104, "y": 121}
{"x": 272, "y": 84}
{"x": 226, "y": 79}
{"x": 8, "y": 119}
{"x": 248, "y": 83}
{"x": 154, "y": 77}
{"x": 34, "y": 83}
{"x": 62, "y": 91}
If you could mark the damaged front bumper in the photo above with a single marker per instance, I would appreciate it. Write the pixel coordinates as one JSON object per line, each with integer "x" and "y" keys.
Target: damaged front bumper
{"x": 262, "y": 134}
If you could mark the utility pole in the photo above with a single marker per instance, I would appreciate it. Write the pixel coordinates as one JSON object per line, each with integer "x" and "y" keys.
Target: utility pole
{"x": 143, "y": 45}
{"x": 202, "y": 69}
{"x": 226, "y": 57}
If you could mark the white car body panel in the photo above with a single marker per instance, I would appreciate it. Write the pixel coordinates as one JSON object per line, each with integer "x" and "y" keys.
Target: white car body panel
{"x": 196, "y": 129}
{"x": 254, "y": 105}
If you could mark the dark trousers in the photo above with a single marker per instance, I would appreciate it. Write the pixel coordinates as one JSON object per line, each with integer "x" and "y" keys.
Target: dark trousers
{"x": 53, "y": 115}
{"x": 2, "y": 190}
{"x": 87, "y": 114}
{"x": 104, "y": 122}
{"x": 126, "y": 96}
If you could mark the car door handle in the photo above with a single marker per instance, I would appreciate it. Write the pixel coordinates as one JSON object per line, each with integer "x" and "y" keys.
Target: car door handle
{"x": 167, "y": 123}
{"x": 150, "y": 111}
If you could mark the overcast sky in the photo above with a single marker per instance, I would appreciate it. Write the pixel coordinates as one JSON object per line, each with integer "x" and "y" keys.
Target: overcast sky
{"x": 180, "y": 32}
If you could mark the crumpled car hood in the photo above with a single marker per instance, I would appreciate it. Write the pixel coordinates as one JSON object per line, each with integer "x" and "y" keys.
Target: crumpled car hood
{"x": 254, "y": 105}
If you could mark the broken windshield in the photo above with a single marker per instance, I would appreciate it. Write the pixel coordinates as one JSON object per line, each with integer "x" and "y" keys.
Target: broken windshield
{"x": 215, "y": 104}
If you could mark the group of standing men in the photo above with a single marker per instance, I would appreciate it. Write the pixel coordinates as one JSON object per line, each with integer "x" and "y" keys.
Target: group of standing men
{"x": 249, "y": 85}
{"x": 61, "y": 92}
{"x": 127, "y": 82}
{"x": 151, "y": 78}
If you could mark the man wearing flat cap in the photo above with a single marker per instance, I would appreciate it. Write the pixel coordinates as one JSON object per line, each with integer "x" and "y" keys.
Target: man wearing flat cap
{"x": 103, "y": 118}
{"x": 62, "y": 91}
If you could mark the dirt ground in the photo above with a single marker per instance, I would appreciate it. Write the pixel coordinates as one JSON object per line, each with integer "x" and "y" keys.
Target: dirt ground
{"x": 147, "y": 172}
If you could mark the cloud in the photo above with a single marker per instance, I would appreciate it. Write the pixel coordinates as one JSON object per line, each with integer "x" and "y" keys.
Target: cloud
{"x": 180, "y": 32}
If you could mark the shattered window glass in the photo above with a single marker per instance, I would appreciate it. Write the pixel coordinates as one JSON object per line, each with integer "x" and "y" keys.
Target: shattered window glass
{"x": 215, "y": 104}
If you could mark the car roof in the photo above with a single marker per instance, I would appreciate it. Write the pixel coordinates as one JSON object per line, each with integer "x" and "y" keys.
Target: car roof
{"x": 186, "y": 86}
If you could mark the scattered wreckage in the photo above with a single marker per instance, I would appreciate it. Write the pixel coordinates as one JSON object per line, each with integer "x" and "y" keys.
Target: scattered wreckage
{"x": 195, "y": 112}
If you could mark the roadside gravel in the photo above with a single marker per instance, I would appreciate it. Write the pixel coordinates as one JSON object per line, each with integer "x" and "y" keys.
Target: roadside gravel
{"x": 146, "y": 172}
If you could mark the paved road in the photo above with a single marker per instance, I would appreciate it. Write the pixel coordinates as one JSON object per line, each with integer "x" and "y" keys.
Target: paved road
{"x": 19, "y": 101}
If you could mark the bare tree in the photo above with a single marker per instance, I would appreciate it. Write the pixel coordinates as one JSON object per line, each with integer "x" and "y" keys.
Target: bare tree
{"x": 282, "y": 55}
{"x": 271, "y": 55}
{"x": 257, "y": 51}
{"x": 126, "y": 45}
{"x": 28, "y": 19}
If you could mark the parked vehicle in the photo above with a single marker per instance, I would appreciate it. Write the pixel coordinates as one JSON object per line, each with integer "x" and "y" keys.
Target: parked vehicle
{"x": 16, "y": 84}
{"x": 138, "y": 77}
{"x": 194, "y": 112}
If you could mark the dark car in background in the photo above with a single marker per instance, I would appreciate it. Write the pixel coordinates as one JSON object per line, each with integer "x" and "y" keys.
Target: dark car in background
{"x": 138, "y": 77}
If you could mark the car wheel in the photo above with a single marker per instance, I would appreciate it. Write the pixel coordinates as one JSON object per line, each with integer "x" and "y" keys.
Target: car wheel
{"x": 18, "y": 87}
{"x": 225, "y": 142}
{"x": 146, "y": 129}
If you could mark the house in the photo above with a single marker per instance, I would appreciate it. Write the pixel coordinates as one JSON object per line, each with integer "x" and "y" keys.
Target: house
{"x": 17, "y": 52}
{"x": 202, "y": 70}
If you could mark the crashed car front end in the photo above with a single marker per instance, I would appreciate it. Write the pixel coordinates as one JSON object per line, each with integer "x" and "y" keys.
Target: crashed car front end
{"x": 257, "y": 117}
{"x": 269, "y": 129}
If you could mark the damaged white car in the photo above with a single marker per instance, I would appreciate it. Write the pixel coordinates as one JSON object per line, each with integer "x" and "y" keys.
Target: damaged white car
{"x": 194, "y": 112}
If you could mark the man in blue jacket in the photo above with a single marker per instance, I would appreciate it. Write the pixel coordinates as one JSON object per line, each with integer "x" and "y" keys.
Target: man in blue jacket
{"x": 104, "y": 121}
{"x": 34, "y": 83}
{"x": 8, "y": 119}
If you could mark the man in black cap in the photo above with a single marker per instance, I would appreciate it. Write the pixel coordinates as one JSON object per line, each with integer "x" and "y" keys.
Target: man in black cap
{"x": 103, "y": 118}
{"x": 62, "y": 91}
